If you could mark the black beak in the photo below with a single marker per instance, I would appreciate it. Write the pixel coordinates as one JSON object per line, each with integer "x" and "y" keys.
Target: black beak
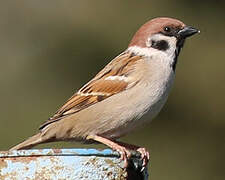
{"x": 187, "y": 32}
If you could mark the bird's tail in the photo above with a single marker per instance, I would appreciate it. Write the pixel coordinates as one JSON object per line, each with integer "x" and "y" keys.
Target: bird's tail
{"x": 29, "y": 143}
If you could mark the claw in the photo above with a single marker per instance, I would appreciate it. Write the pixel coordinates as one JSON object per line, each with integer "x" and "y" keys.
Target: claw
{"x": 144, "y": 156}
{"x": 124, "y": 154}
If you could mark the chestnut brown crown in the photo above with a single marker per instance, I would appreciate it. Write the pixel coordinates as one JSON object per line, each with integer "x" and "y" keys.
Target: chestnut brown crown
{"x": 156, "y": 25}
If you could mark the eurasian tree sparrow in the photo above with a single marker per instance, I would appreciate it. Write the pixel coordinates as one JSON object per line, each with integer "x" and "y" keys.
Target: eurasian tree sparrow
{"x": 111, "y": 104}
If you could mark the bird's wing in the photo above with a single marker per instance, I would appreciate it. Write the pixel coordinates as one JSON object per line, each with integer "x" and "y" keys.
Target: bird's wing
{"x": 113, "y": 79}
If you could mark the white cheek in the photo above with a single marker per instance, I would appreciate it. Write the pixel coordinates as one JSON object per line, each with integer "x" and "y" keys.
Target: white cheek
{"x": 148, "y": 42}
{"x": 172, "y": 41}
{"x": 172, "y": 47}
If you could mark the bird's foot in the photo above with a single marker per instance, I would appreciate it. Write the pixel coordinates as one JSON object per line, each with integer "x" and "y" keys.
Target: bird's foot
{"x": 125, "y": 154}
{"x": 145, "y": 156}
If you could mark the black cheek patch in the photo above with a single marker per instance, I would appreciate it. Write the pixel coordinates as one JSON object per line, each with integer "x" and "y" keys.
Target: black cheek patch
{"x": 160, "y": 45}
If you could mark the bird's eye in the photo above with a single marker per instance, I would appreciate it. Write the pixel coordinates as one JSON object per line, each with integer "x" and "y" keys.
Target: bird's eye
{"x": 167, "y": 29}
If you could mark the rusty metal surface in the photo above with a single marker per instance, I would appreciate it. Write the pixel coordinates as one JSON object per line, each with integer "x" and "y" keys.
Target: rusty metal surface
{"x": 67, "y": 164}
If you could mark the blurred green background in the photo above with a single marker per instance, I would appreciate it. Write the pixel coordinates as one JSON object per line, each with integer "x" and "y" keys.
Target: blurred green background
{"x": 48, "y": 49}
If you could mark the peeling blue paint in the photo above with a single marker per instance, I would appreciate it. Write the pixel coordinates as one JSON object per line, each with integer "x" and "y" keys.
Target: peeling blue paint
{"x": 63, "y": 164}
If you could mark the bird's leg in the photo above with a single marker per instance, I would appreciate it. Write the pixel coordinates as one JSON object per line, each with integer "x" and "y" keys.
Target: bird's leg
{"x": 123, "y": 151}
{"x": 145, "y": 155}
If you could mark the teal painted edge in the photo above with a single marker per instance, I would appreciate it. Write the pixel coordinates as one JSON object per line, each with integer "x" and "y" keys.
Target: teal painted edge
{"x": 62, "y": 152}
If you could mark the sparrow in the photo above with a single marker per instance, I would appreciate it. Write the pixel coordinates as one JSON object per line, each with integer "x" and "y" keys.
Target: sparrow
{"x": 111, "y": 104}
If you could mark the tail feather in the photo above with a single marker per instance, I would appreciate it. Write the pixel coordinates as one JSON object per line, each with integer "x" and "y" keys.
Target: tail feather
{"x": 29, "y": 143}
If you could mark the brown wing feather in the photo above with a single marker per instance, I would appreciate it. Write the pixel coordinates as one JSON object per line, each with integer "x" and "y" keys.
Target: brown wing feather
{"x": 79, "y": 102}
{"x": 98, "y": 88}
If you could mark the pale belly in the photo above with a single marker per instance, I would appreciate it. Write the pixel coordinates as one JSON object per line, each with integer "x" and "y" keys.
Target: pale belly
{"x": 138, "y": 103}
